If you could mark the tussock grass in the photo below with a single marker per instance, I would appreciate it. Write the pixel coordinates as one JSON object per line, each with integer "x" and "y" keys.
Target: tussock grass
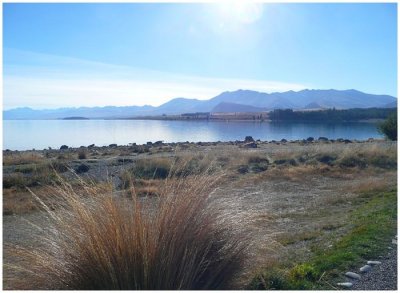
{"x": 179, "y": 240}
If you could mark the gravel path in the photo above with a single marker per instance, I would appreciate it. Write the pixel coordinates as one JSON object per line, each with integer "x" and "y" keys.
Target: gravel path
{"x": 381, "y": 277}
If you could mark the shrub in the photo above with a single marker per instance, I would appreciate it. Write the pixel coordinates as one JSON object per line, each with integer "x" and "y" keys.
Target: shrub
{"x": 82, "y": 154}
{"x": 389, "y": 127}
{"x": 110, "y": 243}
{"x": 352, "y": 161}
{"x": 158, "y": 168}
{"x": 14, "y": 180}
{"x": 326, "y": 159}
{"x": 82, "y": 168}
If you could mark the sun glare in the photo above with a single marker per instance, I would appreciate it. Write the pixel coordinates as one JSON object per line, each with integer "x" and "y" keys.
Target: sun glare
{"x": 245, "y": 12}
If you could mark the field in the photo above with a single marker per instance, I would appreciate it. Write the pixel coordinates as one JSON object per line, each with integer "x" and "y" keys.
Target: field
{"x": 291, "y": 208}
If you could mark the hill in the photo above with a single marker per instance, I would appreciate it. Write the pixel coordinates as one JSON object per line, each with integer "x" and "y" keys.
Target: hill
{"x": 235, "y": 101}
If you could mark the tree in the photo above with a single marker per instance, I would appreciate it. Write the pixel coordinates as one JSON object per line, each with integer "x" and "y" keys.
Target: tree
{"x": 389, "y": 127}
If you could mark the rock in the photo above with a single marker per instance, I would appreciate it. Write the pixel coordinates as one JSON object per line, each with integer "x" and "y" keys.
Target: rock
{"x": 248, "y": 139}
{"x": 365, "y": 269}
{"x": 353, "y": 275}
{"x": 373, "y": 262}
{"x": 64, "y": 147}
{"x": 345, "y": 284}
{"x": 250, "y": 145}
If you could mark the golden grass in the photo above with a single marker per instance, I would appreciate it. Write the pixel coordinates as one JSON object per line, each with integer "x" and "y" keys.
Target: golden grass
{"x": 22, "y": 158}
{"x": 95, "y": 240}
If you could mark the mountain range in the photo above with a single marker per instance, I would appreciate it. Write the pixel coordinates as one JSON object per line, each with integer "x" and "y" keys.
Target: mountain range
{"x": 235, "y": 101}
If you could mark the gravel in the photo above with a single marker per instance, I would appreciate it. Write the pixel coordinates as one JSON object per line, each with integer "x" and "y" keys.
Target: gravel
{"x": 382, "y": 276}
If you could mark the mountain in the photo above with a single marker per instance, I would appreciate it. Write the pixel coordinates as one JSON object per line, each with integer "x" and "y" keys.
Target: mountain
{"x": 86, "y": 112}
{"x": 233, "y": 107}
{"x": 235, "y": 101}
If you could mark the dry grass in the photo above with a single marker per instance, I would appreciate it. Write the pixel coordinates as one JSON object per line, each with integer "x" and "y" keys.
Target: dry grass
{"x": 179, "y": 240}
{"x": 22, "y": 158}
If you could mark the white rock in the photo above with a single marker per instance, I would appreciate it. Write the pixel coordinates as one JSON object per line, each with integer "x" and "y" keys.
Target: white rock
{"x": 353, "y": 275}
{"x": 373, "y": 262}
{"x": 365, "y": 269}
{"x": 346, "y": 284}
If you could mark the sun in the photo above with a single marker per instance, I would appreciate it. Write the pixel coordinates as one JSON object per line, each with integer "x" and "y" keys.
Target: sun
{"x": 240, "y": 11}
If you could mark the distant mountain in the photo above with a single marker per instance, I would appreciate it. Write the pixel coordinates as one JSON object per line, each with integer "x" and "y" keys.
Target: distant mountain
{"x": 391, "y": 105}
{"x": 224, "y": 107}
{"x": 87, "y": 112}
{"x": 236, "y": 101}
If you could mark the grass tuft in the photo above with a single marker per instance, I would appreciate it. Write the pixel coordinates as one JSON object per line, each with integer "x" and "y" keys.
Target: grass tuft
{"x": 179, "y": 240}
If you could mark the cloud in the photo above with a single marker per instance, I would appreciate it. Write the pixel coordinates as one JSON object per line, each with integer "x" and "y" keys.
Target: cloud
{"x": 47, "y": 81}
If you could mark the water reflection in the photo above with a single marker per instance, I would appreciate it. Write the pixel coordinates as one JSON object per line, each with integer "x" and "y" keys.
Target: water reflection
{"x": 40, "y": 134}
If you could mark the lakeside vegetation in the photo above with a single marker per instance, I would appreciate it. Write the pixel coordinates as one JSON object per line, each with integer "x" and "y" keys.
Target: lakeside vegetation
{"x": 327, "y": 115}
{"x": 332, "y": 115}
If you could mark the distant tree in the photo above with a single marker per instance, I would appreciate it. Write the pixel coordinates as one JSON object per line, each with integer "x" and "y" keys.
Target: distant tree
{"x": 389, "y": 127}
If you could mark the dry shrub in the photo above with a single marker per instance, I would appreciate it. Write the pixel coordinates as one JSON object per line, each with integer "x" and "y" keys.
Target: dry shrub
{"x": 179, "y": 240}
{"x": 82, "y": 154}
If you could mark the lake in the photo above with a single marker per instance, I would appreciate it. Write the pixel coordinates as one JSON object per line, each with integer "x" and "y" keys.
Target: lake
{"x": 41, "y": 134}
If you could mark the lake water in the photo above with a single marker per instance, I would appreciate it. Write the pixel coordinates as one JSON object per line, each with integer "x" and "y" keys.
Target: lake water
{"x": 41, "y": 134}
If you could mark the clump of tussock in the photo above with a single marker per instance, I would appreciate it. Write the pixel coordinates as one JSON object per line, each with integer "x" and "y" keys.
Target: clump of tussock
{"x": 179, "y": 240}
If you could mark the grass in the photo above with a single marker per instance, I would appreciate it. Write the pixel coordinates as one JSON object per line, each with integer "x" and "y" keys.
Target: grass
{"x": 179, "y": 240}
{"x": 371, "y": 227}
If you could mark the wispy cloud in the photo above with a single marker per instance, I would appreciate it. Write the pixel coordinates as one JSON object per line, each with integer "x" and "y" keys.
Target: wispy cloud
{"x": 47, "y": 81}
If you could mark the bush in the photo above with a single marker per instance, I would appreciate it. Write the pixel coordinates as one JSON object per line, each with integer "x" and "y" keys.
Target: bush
{"x": 351, "y": 161}
{"x": 183, "y": 242}
{"x": 82, "y": 168}
{"x": 158, "y": 168}
{"x": 389, "y": 127}
{"x": 82, "y": 155}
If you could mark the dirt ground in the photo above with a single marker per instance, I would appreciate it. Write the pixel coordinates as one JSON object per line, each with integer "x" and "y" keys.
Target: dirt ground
{"x": 287, "y": 207}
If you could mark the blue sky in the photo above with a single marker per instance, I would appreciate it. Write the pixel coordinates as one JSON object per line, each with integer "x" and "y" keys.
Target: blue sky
{"x": 58, "y": 55}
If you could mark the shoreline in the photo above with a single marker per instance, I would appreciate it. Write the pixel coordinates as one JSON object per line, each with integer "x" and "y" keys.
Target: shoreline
{"x": 249, "y": 143}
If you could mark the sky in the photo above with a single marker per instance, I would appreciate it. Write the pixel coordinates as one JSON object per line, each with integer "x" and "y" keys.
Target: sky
{"x": 72, "y": 54}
